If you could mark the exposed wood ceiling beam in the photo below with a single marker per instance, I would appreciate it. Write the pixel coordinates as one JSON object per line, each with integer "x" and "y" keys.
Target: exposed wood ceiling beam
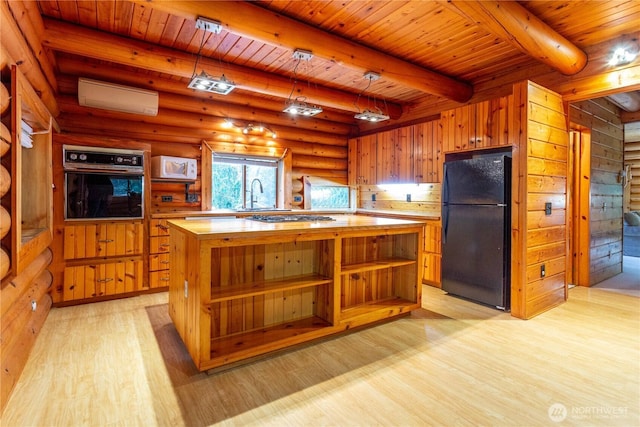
{"x": 255, "y": 22}
{"x": 98, "y": 45}
{"x": 515, "y": 24}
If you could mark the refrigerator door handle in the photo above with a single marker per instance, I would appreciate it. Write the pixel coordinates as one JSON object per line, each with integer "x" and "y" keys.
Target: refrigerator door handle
{"x": 445, "y": 222}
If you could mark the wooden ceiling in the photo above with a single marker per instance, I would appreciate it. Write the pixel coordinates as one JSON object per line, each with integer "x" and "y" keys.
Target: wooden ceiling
{"x": 430, "y": 55}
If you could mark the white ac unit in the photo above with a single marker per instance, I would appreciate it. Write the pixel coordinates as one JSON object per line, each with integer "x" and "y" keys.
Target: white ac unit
{"x": 110, "y": 96}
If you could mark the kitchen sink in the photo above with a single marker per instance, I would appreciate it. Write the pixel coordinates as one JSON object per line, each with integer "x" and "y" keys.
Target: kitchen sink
{"x": 289, "y": 218}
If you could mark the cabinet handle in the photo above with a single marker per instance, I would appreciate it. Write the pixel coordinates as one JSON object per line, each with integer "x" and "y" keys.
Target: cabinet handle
{"x": 164, "y": 279}
{"x": 105, "y": 241}
{"x": 104, "y": 280}
{"x": 162, "y": 227}
{"x": 164, "y": 262}
{"x": 164, "y": 245}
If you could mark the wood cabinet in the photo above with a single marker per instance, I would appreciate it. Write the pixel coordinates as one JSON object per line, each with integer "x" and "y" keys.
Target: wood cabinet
{"x": 102, "y": 259}
{"x": 475, "y": 126}
{"x": 410, "y": 154}
{"x": 109, "y": 239}
{"x": 102, "y": 279}
{"x": 158, "y": 253}
{"x": 239, "y": 290}
{"x": 432, "y": 274}
{"x": 395, "y": 156}
{"x": 365, "y": 160}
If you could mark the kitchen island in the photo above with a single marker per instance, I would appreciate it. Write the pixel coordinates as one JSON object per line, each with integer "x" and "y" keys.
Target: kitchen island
{"x": 240, "y": 288}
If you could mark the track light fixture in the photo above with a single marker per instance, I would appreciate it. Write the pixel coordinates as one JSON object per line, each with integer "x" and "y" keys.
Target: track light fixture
{"x": 298, "y": 105}
{"x": 250, "y": 128}
{"x": 203, "y": 81}
{"x": 373, "y": 114}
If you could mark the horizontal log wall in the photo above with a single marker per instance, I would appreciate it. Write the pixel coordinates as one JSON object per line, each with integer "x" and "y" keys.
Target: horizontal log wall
{"x": 602, "y": 119}
{"x": 632, "y": 161}
{"x": 21, "y": 320}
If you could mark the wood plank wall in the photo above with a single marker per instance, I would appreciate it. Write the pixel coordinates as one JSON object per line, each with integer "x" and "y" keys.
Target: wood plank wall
{"x": 632, "y": 160}
{"x": 540, "y": 160}
{"x": 601, "y": 119}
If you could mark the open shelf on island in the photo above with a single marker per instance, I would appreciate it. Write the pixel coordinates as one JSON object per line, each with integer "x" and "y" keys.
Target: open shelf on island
{"x": 219, "y": 294}
{"x": 366, "y": 309}
{"x": 376, "y": 265}
{"x": 252, "y": 340}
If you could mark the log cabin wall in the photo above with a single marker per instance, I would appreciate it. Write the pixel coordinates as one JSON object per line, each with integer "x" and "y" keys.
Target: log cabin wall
{"x": 25, "y": 223}
{"x": 632, "y": 165}
{"x": 601, "y": 120}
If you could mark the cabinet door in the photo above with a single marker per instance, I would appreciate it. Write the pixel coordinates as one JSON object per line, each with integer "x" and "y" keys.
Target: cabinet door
{"x": 427, "y": 149}
{"x": 366, "y": 161}
{"x": 395, "y": 156}
{"x": 102, "y": 240}
{"x": 492, "y": 123}
{"x": 432, "y": 253}
{"x": 95, "y": 280}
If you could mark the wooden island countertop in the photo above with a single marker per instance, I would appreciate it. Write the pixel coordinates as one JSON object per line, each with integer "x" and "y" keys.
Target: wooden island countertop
{"x": 230, "y": 228}
{"x": 240, "y": 288}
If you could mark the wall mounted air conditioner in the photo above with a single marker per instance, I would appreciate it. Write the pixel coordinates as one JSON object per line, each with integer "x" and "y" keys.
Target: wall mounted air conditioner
{"x": 110, "y": 96}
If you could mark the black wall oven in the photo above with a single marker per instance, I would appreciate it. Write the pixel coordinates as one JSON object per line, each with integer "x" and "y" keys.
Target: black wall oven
{"x": 103, "y": 183}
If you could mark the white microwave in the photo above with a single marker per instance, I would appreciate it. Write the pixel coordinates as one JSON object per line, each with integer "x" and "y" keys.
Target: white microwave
{"x": 168, "y": 167}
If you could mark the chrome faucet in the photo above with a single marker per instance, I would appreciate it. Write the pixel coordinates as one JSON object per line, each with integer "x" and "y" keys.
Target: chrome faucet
{"x": 255, "y": 200}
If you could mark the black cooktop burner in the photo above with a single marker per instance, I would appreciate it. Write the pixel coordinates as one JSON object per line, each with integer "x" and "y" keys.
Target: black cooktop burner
{"x": 290, "y": 218}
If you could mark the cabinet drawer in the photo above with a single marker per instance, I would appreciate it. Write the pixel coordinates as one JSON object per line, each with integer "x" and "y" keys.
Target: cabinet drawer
{"x": 159, "y": 262}
{"x": 158, "y": 227}
{"x": 102, "y": 240}
{"x": 158, "y": 245}
{"x": 159, "y": 279}
{"x": 96, "y": 280}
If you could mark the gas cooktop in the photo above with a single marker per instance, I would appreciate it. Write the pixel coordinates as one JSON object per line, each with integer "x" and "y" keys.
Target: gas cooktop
{"x": 290, "y": 218}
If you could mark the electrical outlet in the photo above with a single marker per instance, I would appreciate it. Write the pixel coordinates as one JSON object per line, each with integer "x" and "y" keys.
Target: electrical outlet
{"x": 408, "y": 197}
{"x": 167, "y": 198}
{"x": 543, "y": 271}
{"x": 547, "y": 208}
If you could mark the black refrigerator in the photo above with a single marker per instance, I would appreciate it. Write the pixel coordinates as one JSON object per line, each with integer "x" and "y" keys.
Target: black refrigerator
{"x": 476, "y": 229}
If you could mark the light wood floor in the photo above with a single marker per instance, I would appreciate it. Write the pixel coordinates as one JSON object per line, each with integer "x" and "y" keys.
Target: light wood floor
{"x": 450, "y": 363}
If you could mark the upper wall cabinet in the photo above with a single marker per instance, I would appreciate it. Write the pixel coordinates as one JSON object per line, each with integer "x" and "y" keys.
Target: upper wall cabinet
{"x": 363, "y": 153}
{"x": 395, "y": 156}
{"x": 476, "y": 126}
{"x": 411, "y": 154}
{"x": 28, "y": 179}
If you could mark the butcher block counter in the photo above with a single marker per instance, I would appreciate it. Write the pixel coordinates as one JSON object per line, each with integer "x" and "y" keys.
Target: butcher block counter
{"x": 240, "y": 288}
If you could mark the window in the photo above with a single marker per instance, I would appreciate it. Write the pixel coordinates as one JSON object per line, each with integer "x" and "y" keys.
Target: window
{"x": 241, "y": 182}
{"x": 329, "y": 196}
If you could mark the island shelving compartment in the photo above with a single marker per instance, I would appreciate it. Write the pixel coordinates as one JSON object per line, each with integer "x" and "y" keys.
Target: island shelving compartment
{"x": 240, "y": 289}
